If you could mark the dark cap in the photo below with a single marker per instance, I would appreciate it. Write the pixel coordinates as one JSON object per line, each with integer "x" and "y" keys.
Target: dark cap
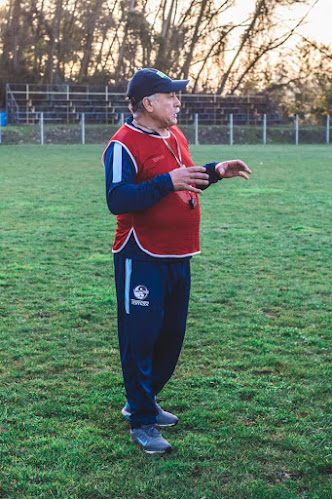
{"x": 149, "y": 81}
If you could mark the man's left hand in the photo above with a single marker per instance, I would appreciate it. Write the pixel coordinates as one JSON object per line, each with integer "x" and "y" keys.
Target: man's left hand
{"x": 233, "y": 168}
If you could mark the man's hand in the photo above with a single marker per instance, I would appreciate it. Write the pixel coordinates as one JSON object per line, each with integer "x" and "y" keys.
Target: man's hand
{"x": 184, "y": 179}
{"x": 233, "y": 168}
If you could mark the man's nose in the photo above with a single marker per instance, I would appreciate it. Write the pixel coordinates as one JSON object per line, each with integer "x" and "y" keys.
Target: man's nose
{"x": 177, "y": 102}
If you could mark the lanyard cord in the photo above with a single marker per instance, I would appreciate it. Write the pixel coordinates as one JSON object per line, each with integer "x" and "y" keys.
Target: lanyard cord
{"x": 179, "y": 157}
{"x": 192, "y": 202}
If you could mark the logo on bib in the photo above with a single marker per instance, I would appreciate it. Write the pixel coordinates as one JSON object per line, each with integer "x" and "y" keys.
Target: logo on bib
{"x": 141, "y": 292}
{"x": 158, "y": 158}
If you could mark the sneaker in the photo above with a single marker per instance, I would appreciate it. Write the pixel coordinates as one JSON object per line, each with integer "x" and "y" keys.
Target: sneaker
{"x": 164, "y": 418}
{"x": 150, "y": 439}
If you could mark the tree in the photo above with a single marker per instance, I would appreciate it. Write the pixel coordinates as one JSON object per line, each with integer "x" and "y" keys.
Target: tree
{"x": 54, "y": 35}
{"x": 303, "y": 84}
{"x": 107, "y": 40}
{"x": 92, "y": 16}
{"x": 258, "y": 39}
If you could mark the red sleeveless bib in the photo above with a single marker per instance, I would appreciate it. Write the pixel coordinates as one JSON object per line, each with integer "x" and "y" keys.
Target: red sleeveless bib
{"x": 170, "y": 228}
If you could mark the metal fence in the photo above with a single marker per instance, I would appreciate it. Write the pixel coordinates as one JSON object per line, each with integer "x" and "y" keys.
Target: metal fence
{"x": 82, "y": 129}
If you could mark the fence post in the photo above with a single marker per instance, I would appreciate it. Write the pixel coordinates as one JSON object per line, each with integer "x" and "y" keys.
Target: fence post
{"x": 231, "y": 130}
{"x": 27, "y": 102}
{"x": 83, "y": 128}
{"x": 196, "y": 142}
{"x": 41, "y": 128}
{"x": 327, "y": 134}
{"x": 121, "y": 119}
{"x": 296, "y": 129}
{"x": 68, "y": 103}
{"x": 264, "y": 129}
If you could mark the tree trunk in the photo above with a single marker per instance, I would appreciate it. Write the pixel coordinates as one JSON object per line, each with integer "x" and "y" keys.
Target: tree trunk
{"x": 245, "y": 38}
{"x": 194, "y": 40}
{"x": 91, "y": 26}
{"x": 54, "y": 40}
{"x": 11, "y": 36}
{"x": 162, "y": 61}
{"x": 123, "y": 44}
{"x": 66, "y": 38}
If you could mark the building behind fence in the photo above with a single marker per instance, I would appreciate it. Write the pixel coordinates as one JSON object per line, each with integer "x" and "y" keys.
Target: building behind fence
{"x": 83, "y": 114}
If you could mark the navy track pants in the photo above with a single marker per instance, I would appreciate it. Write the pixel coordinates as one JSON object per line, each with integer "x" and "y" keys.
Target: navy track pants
{"x": 152, "y": 298}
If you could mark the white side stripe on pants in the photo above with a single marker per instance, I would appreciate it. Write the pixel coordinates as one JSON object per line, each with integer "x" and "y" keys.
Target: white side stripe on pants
{"x": 128, "y": 270}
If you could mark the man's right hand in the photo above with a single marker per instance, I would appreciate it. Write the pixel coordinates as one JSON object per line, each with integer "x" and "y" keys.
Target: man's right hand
{"x": 185, "y": 179}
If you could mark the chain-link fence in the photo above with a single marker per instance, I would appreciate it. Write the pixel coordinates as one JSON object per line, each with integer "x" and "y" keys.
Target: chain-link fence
{"x": 82, "y": 129}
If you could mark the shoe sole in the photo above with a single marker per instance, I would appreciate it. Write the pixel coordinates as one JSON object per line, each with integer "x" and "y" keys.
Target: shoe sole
{"x": 167, "y": 425}
{"x": 166, "y": 451}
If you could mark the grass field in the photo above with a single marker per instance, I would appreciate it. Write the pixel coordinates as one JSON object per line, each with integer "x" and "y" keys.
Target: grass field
{"x": 252, "y": 385}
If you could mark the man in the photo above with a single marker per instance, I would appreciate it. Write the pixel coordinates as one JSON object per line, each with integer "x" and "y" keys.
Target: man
{"x": 152, "y": 186}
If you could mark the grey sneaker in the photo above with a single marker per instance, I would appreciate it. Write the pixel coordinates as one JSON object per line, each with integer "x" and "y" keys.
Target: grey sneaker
{"x": 150, "y": 439}
{"x": 164, "y": 418}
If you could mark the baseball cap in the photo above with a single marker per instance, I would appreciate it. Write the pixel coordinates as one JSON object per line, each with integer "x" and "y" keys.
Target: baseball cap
{"x": 149, "y": 81}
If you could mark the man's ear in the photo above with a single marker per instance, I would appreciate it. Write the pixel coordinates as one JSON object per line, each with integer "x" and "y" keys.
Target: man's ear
{"x": 147, "y": 103}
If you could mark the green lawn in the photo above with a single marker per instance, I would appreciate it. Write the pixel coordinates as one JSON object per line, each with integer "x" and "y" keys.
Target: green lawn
{"x": 252, "y": 385}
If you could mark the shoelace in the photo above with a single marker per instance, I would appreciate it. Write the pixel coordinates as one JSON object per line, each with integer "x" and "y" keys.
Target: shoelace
{"x": 151, "y": 430}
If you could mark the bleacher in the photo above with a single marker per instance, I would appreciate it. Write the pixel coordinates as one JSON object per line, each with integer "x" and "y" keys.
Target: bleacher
{"x": 66, "y": 103}
{"x": 216, "y": 109}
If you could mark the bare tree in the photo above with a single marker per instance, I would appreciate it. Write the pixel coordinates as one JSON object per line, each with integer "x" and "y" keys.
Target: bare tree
{"x": 195, "y": 37}
{"x": 260, "y": 32}
{"x": 244, "y": 39}
{"x": 54, "y": 37}
{"x": 162, "y": 60}
{"x": 11, "y": 53}
{"x": 126, "y": 20}
{"x": 91, "y": 22}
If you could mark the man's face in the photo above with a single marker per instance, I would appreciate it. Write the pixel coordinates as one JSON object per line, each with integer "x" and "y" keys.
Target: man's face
{"x": 165, "y": 109}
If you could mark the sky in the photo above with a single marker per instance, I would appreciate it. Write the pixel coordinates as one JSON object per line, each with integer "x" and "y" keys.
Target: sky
{"x": 319, "y": 22}
{"x": 318, "y": 25}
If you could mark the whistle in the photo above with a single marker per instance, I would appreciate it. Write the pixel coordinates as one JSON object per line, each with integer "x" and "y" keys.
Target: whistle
{"x": 192, "y": 203}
